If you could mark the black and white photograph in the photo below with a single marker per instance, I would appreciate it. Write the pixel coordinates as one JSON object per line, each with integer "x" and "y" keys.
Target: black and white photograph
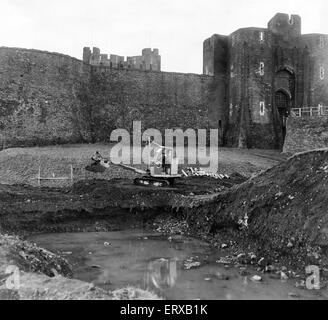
{"x": 163, "y": 153}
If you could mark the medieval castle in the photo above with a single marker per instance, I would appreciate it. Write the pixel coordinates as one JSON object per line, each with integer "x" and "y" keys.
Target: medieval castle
{"x": 269, "y": 72}
{"x": 252, "y": 81}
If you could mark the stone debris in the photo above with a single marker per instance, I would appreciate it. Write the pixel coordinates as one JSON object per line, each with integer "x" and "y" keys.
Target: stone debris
{"x": 256, "y": 278}
{"x": 191, "y": 263}
{"x": 252, "y": 256}
{"x": 283, "y": 276}
{"x": 172, "y": 226}
{"x": 270, "y": 268}
{"x": 225, "y": 260}
{"x": 279, "y": 194}
{"x": 324, "y": 168}
{"x": 198, "y": 172}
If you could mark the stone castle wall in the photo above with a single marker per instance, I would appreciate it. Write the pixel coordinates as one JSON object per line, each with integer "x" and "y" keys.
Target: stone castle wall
{"x": 48, "y": 98}
{"x": 161, "y": 100}
{"x": 39, "y": 97}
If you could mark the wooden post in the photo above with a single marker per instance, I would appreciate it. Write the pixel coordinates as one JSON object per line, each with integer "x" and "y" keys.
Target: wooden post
{"x": 39, "y": 176}
{"x": 72, "y": 173}
{"x": 53, "y": 178}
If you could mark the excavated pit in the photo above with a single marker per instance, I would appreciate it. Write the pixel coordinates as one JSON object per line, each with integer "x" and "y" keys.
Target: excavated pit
{"x": 279, "y": 215}
{"x": 100, "y": 205}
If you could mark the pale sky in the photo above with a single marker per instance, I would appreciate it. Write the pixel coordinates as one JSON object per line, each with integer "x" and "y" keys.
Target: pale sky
{"x": 176, "y": 27}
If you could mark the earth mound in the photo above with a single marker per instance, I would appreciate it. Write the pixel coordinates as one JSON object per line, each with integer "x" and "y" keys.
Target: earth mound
{"x": 282, "y": 210}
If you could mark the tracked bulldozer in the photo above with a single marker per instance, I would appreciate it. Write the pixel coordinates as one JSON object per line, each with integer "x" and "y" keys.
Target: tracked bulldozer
{"x": 162, "y": 169}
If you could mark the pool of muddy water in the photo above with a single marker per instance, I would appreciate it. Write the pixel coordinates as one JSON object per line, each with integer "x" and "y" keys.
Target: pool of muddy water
{"x": 113, "y": 260}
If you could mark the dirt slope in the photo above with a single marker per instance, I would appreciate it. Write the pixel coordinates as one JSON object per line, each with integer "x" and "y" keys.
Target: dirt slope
{"x": 283, "y": 210}
{"x": 94, "y": 205}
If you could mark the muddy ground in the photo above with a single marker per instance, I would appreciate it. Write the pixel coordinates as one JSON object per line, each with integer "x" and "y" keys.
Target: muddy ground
{"x": 99, "y": 205}
{"x": 278, "y": 215}
{"x": 92, "y": 205}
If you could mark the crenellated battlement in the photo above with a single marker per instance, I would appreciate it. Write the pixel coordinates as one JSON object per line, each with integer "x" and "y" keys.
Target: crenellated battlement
{"x": 286, "y": 25}
{"x": 149, "y": 60}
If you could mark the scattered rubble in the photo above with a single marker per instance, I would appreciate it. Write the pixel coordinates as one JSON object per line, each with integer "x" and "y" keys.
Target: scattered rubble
{"x": 198, "y": 172}
{"x": 270, "y": 269}
{"x": 226, "y": 260}
{"x": 132, "y": 293}
{"x": 256, "y": 278}
{"x": 191, "y": 263}
{"x": 171, "y": 226}
{"x": 283, "y": 276}
{"x": 31, "y": 258}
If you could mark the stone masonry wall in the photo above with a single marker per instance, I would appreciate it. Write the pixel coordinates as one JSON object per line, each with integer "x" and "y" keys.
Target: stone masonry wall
{"x": 39, "y": 98}
{"x": 160, "y": 100}
{"x": 48, "y": 98}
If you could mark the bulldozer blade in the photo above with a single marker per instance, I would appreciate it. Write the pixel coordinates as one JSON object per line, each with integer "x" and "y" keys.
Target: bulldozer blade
{"x": 97, "y": 168}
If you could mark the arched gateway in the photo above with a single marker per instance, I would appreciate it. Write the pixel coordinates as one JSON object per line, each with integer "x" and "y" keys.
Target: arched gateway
{"x": 283, "y": 101}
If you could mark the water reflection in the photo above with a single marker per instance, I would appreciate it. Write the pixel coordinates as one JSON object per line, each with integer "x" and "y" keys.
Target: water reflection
{"x": 132, "y": 259}
{"x": 161, "y": 273}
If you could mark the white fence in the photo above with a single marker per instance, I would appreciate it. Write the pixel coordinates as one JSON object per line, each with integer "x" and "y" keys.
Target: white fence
{"x": 54, "y": 178}
{"x": 310, "y": 111}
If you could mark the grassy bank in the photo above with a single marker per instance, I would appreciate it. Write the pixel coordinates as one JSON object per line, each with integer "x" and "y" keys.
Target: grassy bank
{"x": 21, "y": 165}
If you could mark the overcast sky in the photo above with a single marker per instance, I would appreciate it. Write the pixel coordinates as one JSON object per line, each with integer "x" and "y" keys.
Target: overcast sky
{"x": 176, "y": 27}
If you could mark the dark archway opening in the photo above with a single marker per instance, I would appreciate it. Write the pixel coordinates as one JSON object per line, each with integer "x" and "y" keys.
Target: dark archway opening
{"x": 282, "y": 103}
